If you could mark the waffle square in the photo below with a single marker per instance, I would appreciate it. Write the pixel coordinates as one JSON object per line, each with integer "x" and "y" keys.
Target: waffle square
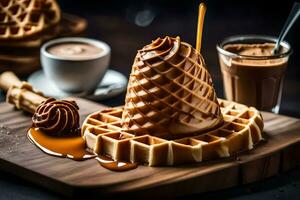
{"x": 241, "y": 130}
{"x": 24, "y": 18}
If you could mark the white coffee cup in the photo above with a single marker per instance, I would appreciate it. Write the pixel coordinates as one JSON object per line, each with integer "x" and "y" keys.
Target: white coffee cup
{"x": 75, "y": 74}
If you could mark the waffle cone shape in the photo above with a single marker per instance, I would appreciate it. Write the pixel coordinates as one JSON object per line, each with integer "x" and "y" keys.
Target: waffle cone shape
{"x": 170, "y": 92}
{"x": 20, "y": 19}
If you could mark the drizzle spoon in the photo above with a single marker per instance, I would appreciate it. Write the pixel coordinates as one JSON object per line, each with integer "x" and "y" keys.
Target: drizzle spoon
{"x": 294, "y": 14}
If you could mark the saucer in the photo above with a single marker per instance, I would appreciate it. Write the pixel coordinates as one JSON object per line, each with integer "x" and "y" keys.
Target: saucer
{"x": 111, "y": 85}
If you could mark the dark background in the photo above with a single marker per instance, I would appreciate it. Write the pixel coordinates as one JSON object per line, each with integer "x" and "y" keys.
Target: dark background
{"x": 128, "y": 25}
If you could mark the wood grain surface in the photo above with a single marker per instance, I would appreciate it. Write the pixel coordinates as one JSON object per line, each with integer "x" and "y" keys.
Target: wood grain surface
{"x": 18, "y": 156}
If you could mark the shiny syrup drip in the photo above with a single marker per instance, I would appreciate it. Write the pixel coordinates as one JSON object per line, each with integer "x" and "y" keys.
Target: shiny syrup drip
{"x": 68, "y": 147}
{"x": 117, "y": 166}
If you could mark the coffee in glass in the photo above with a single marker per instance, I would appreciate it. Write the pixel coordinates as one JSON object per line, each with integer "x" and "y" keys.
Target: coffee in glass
{"x": 252, "y": 75}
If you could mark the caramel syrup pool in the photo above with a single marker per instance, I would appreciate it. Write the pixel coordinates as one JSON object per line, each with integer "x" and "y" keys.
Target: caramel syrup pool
{"x": 73, "y": 147}
{"x": 117, "y": 166}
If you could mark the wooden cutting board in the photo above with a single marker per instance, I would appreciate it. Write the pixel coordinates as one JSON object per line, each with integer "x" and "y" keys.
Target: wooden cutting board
{"x": 279, "y": 153}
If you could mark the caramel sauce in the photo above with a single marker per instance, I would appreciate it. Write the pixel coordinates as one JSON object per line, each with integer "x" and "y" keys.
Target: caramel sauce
{"x": 72, "y": 147}
{"x": 117, "y": 166}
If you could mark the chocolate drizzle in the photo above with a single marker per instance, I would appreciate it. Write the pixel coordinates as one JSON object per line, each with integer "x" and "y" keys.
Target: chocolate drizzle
{"x": 57, "y": 117}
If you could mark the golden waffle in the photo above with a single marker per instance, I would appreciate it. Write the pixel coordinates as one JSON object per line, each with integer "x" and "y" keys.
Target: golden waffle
{"x": 69, "y": 25}
{"x": 170, "y": 93}
{"x": 22, "y": 18}
{"x": 242, "y": 128}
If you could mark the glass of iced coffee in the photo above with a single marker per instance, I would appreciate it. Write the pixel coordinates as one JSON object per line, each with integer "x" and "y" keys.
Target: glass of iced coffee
{"x": 252, "y": 75}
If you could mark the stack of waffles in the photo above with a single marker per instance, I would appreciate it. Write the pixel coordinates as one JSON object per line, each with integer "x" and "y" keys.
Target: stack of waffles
{"x": 25, "y": 25}
{"x": 171, "y": 113}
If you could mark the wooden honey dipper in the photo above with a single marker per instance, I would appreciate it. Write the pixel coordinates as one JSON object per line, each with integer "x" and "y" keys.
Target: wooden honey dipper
{"x": 20, "y": 93}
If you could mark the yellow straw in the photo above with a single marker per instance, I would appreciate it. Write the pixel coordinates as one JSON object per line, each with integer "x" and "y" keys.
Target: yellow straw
{"x": 201, "y": 14}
